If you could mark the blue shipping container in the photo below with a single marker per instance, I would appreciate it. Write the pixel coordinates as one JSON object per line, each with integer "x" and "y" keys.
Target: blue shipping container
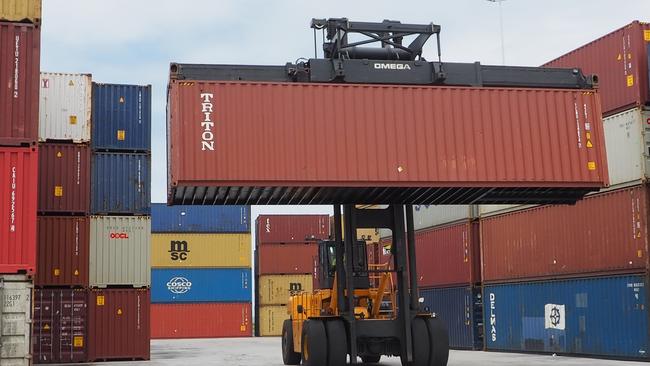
{"x": 461, "y": 310}
{"x": 121, "y": 117}
{"x": 200, "y": 219}
{"x": 179, "y": 285}
{"x": 599, "y": 316}
{"x": 121, "y": 184}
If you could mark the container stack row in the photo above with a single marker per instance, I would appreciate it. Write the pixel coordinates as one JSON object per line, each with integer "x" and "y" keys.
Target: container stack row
{"x": 201, "y": 271}
{"x": 573, "y": 279}
{"x": 93, "y": 241}
{"x": 20, "y": 30}
{"x": 286, "y": 247}
{"x": 556, "y": 278}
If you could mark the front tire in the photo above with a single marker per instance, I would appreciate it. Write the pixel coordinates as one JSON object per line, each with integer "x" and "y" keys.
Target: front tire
{"x": 371, "y": 359}
{"x": 314, "y": 343}
{"x": 337, "y": 343}
{"x": 439, "y": 338}
{"x": 289, "y": 356}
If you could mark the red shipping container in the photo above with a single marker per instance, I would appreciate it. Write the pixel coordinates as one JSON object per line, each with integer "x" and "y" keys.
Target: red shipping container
{"x": 293, "y": 143}
{"x": 20, "y": 49}
{"x": 447, "y": 255}
{"x": 64, "y": 178}
{"x": 620, "y": 59}
{"x": 208, "y": 320}
{"x": 18, "y": 182}
{"x": 286, "y": 258}
{"x": 60, "y": 326}
{"x": 63, "y": 251}
{"x": 605, "y": 233}
{"x": 119, "y": 326}
{"x": 291, "y": 228}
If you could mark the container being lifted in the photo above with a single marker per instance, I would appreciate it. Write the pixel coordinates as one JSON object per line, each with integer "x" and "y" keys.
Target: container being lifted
{"x": 444, "y": 133}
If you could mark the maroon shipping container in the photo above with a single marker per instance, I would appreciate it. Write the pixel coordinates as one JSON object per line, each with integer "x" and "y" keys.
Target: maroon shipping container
{"x": 20, "y": 49}
{"x": 447, "y": 255}
{"x": 63, "y": 251}
{"x": 59, "y": 331}
{"x": 18, "y": 182}
{"x": 64, "y": 178}
{"x": 286, "y": 258}
{"x": 293, "y": 143}
{"x": 605, "y": 233}
{"x": 291, "y": 228}
{"x": 119, "y": 327}
{"x": 208, "y": 320}
{"x": 620, "y": 59}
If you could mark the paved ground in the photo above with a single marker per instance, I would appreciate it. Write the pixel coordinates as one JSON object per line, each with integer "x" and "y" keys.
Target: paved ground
{"x": 266, "y": 352}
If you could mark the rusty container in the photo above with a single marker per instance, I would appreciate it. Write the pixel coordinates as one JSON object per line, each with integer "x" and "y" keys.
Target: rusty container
{"x": 286, "y": 258}
{"x": 62, "y": 251}
{"x": 291, "y": 228}
{"x": 64, "y": 178}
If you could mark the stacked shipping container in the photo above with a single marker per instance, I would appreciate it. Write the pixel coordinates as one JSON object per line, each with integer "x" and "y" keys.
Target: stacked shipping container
{"x": 201, "y": 271}
{"x": 19, "y": 68}
{"x": 554, "y": 275}
{"x": 93, "y": 242}
{"x": 285, "y": 249}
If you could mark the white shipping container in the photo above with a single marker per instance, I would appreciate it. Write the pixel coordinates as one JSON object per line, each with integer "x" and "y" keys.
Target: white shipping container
{"x": 65, "y": 107}
{"x": 627, "y": 140}
{"x": 120, "y": 248}
{"x": 425, "y": 216}
{"x": 15, "y": 320}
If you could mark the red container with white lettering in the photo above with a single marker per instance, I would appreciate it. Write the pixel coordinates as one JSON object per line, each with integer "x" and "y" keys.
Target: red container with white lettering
{"x": 18, "y": 182}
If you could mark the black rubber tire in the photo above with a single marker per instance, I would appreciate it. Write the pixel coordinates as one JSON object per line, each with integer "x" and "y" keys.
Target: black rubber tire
{"x": 289, "y": 356}
{"x": 337, "y": 343}
{"x": 371, "y": 359}
{"x": 421, "y": 344}
{"x": 314, "y": 343}
{"x": 439, "y": 338}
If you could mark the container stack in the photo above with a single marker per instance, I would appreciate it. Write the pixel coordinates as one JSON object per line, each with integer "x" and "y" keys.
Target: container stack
{"x": 285, "y": 249}
{"x": 93, "y": 224}
{"x": 20, "y": 62}
{"x": 573, "y": 279}
{"x": 448, "y": 264}
{"x": 201, "y": 271}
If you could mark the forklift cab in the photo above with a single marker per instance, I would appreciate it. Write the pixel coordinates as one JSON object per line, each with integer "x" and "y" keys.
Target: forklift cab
{"x": 327, "y": 264}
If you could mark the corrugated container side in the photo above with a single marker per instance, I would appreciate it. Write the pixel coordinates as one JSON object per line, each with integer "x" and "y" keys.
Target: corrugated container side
{"x": 276, "y": 289}
{"x": 121, "y": 184}
{"x": 201, "y": 250}
{"x": 462, "y": 137}
{"x": 620, "y": 59}
{"x": 425, "y": 216}
{"x": 200, "y": 219}
{"x": 59, "y": 333}
{"x": 271, "y": 318}
{"x": 596, "y": 316}
{"x": 183, "y": 285}
{"x": 20, "y": 48}
{"x": 64, "y": 178}
{"x": 461, "y": 310}
{"x": 602, "y": 233}
{"x": 64, "y": 107}
{"x": 627, "y": 137}
{"x": 447, "y": 255}
{"x": 63, "y": 250}
{"x": 120, "y": 251}
{"x": 121, "y": 117}
{"x": 286, "y": 258}
{"x": 18, "y": 182}
{"x": 201, "y": 320}
{"x": 492, "y": 210}
{"x": 21, "y": 10}
{"x": 291, "y": 228}
{"x": 119, "y": 324}
{"x": 16, "y": 319}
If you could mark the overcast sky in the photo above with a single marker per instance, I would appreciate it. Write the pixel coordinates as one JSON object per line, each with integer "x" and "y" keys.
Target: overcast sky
{"x": 133, "y": 41}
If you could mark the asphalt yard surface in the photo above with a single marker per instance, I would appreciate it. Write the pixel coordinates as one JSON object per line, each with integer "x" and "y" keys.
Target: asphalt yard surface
{"x": 266, "y": 352}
